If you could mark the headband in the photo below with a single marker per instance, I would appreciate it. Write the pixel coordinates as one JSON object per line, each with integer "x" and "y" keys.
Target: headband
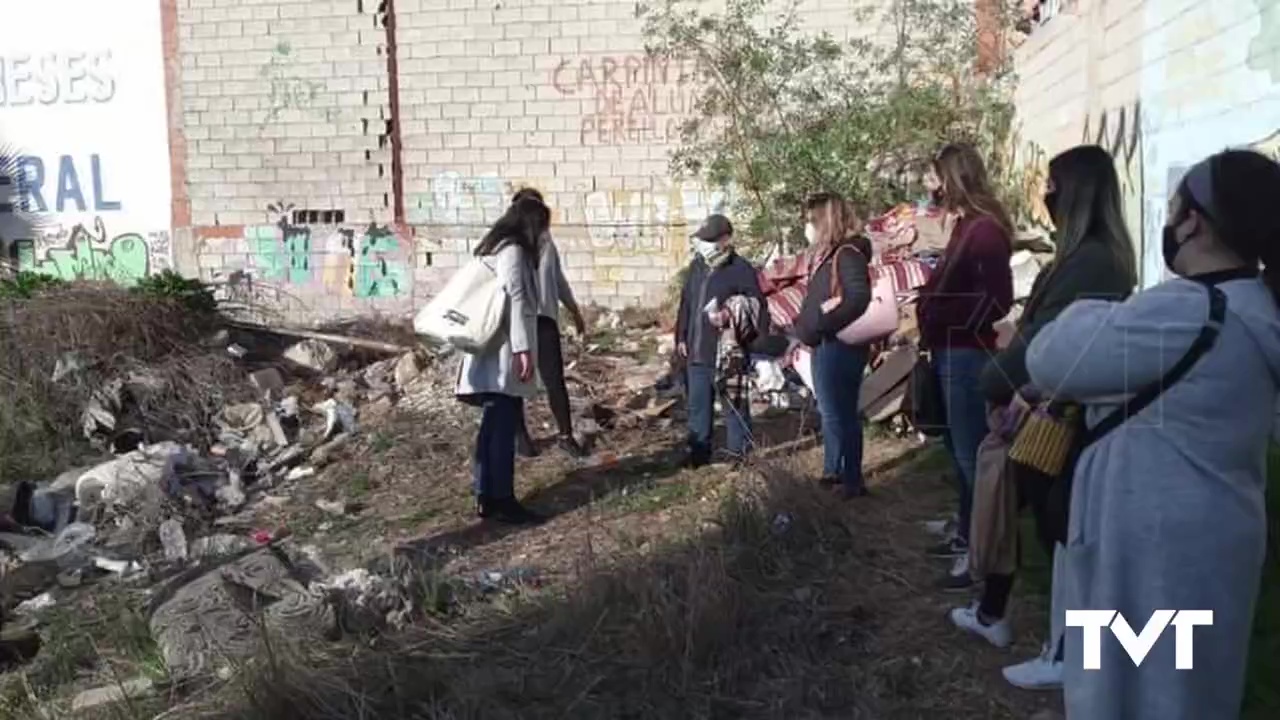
{"x": 1199, "y": 183}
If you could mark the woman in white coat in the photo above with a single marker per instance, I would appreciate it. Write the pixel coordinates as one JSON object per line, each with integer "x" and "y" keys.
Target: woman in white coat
{"x": 501, "y": 378}
{"x": 1167, "y": 509}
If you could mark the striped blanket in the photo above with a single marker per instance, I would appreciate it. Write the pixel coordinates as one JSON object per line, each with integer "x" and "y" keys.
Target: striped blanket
{"x": 785, "y": 280}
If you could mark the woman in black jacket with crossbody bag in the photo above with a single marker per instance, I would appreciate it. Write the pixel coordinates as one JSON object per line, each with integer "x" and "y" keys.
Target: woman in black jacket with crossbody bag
{"x": 1094, "y": 258}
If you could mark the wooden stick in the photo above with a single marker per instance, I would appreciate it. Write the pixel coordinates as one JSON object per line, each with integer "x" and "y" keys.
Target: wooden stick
{"x": 325, "y": 337}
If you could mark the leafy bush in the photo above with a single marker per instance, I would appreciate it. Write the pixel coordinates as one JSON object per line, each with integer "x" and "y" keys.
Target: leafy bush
{"x": 26, "y": 284}
{"x": 195, "y": 295}
{"x": 787, "y": 112}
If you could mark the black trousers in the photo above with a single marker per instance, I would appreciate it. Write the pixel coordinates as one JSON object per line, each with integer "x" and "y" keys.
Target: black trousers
{"x": 551, "y": 370}
{"x": 1033, "y": 490}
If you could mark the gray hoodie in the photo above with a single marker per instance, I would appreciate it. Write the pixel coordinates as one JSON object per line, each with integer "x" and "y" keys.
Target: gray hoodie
{"x": 1168, "y": 510}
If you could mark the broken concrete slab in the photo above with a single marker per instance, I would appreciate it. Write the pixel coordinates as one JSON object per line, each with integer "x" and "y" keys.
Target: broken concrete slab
{"x": 407, "y": 369}
{"x": 218, "y": 619}
{"x": 267, "y": 380}
{"x": 313, "y": 355}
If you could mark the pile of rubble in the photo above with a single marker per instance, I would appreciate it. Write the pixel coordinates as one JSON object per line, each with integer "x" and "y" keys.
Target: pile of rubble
{"x": 163, "y": 517}
{"x": 172, "y": 516}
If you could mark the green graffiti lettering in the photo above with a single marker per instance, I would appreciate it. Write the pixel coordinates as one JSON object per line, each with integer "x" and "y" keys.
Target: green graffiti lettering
{"x": 373, "y": 273}
{"x": 88, "y": 256}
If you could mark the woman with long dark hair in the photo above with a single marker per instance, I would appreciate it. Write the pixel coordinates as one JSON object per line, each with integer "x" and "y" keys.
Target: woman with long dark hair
{"x": 1168, "y": 507}
{"x": 553, "y": 289}
{"x": 838, "y": 292}
{"x": 500, "y": 379}
{"x": 969, "y": 291}
{"x": 1093, "y": 258}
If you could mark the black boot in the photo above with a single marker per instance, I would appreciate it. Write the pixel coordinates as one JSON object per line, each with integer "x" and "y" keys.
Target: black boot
{"x": 484, "y": 507}
{"x": 511, "y": 512}
{"x": 525, "y": 447}
{"x": 570, "y": 445}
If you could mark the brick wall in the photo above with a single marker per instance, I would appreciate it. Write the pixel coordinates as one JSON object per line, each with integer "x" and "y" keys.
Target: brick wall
{"x": 291, "y": 159}
{"x": 1159, "y": 83}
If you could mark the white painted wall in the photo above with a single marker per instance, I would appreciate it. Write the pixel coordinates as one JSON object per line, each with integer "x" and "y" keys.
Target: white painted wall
{"x": 82, "y": 103}
{"x": 1198, "y": 77}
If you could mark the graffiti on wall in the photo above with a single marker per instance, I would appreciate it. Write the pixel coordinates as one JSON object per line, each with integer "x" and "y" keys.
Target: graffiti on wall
{"x": 82, "y": 253}
{"x": 1119, "y": 131}
{"x": 377, "y": 267}
{"x": 635, "y": 221}
{"x": 635, "y": 99}
{"x": 368, "y": 263}
{"x": 85, "y": 189}
{"x": 457, "y": 199}
{"x": 287, "y": 91}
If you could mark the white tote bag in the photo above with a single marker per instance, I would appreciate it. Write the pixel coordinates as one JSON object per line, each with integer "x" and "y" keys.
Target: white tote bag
{"x": 468, "y": 313}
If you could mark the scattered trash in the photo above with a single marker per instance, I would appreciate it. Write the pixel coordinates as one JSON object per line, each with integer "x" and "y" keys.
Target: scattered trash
{"x": 300, "y": 473}
{"x": 219, "y": 545}
{"x": 313, "y": 355}
{"x": 338, "y": 417}
{"x": 43, "y": 601}
{"x": 174, "y": 540}
{"x": 334, "y": 507}
{"x": 123, "y": 479}
{"x": 237, "y": 351}
{"x": 66, "y": 366}
{"x": 73, "y": 538}
{"x": 325, "y": 453}
{"x": 500, "y": 580}
{"x": 138, "y": 687}
{"x": 267, "y": 380}
{"x": 781, "y": 523}
{"x": 119, "y": 567}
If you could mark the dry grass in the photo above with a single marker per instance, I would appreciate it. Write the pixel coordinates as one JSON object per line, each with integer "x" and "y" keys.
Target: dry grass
{"x": 779, "y": 604}
{"x": 114, "y": 334}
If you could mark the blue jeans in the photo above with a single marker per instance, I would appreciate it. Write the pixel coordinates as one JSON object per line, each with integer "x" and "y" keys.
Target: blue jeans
{"x": 958, "y": 370}
{"x": 493, "y": 467}
{"x": 701, "y": 380}
{"x": 837, "y": 379}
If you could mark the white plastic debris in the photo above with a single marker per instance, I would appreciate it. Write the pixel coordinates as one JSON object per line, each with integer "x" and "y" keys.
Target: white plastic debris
{"x": 339, "y": 417}
{"x": 66, "y": 366}
{"x": 173, "y": 539}
{"x": 72, "y": 538}
{"x": 123, "y": 479}
{"x": 43, "y": 601}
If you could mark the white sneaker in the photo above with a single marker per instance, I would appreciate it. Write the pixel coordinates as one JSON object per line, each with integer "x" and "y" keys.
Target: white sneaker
{"x": 944, "y": 529}
{"x": 1041, "y": 673}
{"x": 998, "y": 633}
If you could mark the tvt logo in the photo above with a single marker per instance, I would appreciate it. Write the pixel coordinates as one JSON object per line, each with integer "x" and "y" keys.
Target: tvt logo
{"x": 1139, "y": 644}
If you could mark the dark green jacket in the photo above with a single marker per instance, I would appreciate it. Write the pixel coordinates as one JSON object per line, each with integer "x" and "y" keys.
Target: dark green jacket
{"x": 1092, "y": 271}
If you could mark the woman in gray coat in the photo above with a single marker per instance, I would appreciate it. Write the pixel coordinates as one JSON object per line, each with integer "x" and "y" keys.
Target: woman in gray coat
{"x": 501, "y": 378}
{"x": 1167, "y": 509}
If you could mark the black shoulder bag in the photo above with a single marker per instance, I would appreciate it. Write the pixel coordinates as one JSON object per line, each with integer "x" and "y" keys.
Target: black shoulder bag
{"x": 1059, "y": 498}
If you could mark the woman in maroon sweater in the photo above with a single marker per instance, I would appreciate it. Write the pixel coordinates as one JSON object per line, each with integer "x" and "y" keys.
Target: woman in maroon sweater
{"x": 968, "y": 292}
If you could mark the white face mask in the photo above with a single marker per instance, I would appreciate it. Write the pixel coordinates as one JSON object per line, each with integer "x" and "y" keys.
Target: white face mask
{"x": 708, "y": 250}
{"x": 810, "y": 233}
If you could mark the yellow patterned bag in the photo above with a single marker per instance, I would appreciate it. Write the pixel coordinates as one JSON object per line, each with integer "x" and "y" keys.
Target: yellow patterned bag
{"x": 1046, "y": 440}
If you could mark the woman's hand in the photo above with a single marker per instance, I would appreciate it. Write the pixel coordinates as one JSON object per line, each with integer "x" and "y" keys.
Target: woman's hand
{"x": 524, "y": 366}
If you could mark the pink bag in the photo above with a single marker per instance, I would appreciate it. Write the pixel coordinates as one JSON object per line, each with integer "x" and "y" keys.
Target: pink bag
{"x": 880, "y": 319}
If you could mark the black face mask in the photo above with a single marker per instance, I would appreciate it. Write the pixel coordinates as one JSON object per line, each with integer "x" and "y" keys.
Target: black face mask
{"x": 1051, "y": 204}
{"x": 1170, "y": 247}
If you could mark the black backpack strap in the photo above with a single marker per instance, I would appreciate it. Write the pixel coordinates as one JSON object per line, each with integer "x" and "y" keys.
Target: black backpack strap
{"x": 1203, "y": 342}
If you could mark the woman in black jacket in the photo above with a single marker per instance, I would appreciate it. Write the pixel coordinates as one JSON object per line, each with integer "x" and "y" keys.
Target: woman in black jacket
{"x": 1094, "y": 258}
{"x": 842, "y": 254}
